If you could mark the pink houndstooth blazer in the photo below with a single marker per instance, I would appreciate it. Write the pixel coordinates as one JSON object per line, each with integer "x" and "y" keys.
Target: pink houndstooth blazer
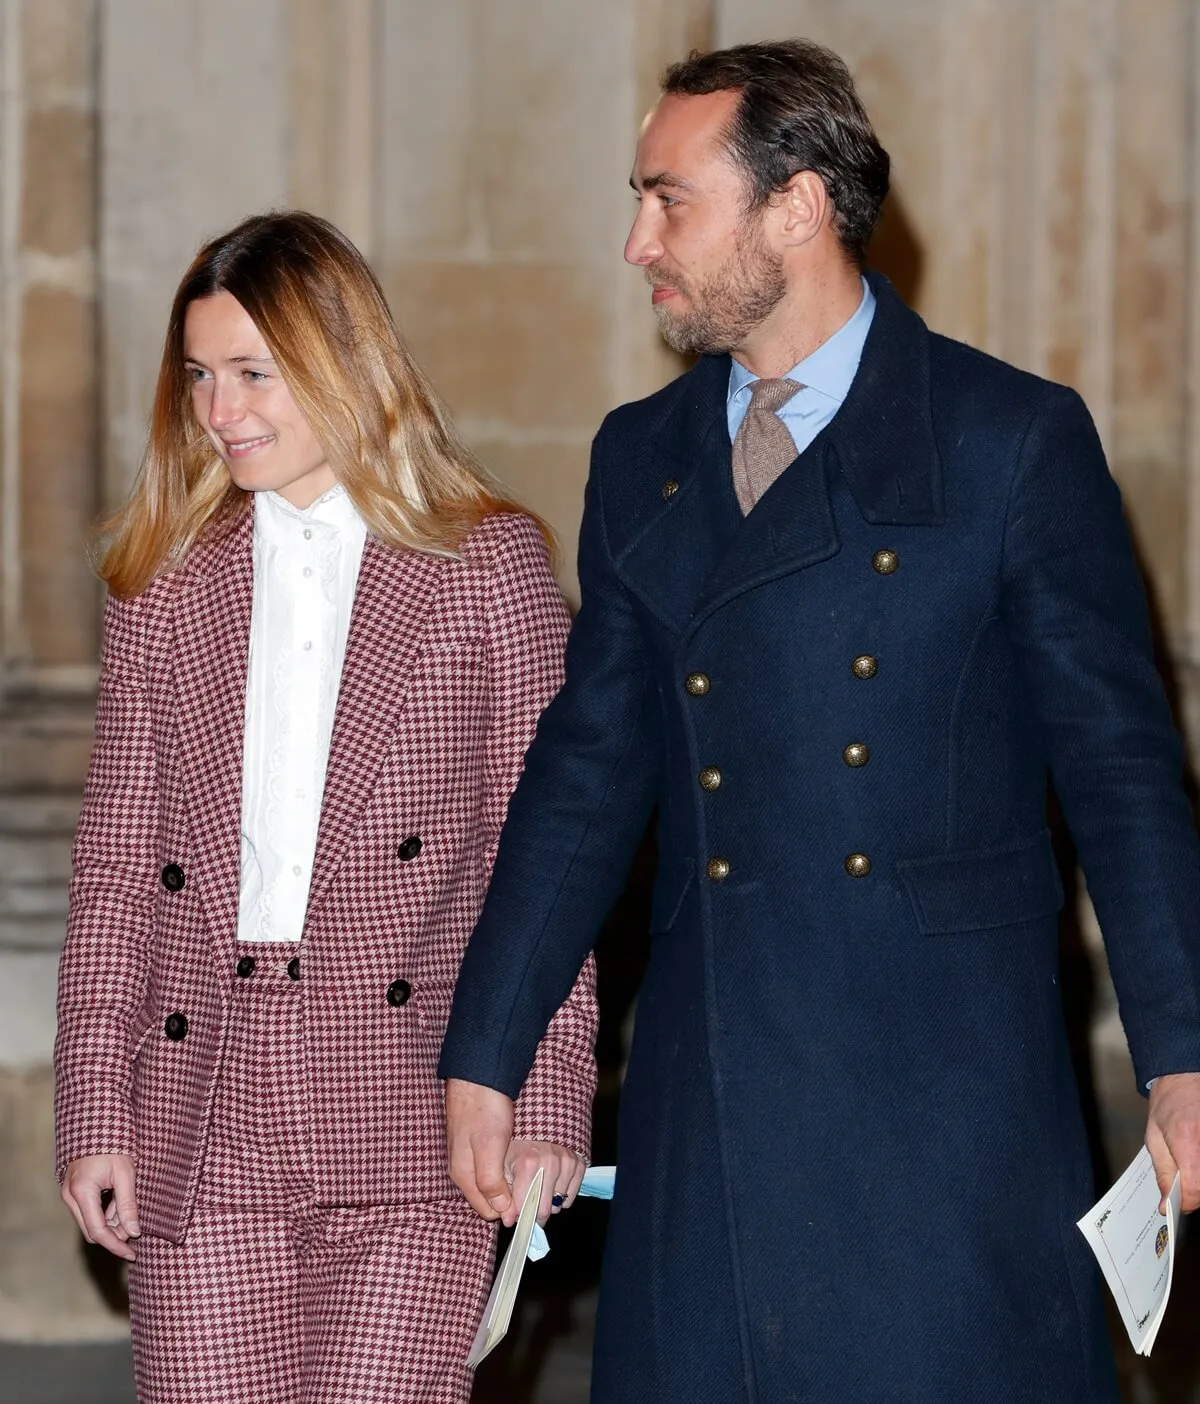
{"x": 448, "y": 665}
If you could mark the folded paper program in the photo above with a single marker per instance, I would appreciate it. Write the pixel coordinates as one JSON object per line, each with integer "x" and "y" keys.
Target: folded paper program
{"x": 598, "y": 1181}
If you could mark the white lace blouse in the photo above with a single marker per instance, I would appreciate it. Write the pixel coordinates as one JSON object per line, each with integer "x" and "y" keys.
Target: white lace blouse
{"x": 305, "y": 571}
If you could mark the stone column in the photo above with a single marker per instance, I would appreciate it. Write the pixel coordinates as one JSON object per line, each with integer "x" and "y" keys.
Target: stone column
{"x": 48, "y": 610}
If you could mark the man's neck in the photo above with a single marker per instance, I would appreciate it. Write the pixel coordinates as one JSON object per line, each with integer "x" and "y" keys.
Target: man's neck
{"x": 813, "y": 310}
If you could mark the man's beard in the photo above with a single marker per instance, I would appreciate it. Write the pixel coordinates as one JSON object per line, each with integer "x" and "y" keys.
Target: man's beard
{"x": 727, "y": 306}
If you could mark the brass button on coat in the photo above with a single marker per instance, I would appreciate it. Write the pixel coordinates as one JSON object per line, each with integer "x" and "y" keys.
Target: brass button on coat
{"x": 856, "y": 754}
{"x": 669, "y": 489}
{"x": 710, "y": 778}
{"x": 858, "y": 865}
{"x": 698, "y": 684}
{"x": 865, "y": 666}
{"x": 718, "y": 869}
{"x": 885, "y": 562}
{"x": 176, "y": 1027}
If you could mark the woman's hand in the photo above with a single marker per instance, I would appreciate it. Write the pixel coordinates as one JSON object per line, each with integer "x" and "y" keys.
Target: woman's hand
{"x": 560, "y": 1183}
{"x": 110, "y": 1225}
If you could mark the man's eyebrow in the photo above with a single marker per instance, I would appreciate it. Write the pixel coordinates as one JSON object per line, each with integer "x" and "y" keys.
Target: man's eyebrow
{"x": 663, "y": 180}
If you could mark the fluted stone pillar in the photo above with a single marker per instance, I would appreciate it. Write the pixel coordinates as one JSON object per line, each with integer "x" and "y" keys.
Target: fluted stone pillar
{"x": 48, "y": 611}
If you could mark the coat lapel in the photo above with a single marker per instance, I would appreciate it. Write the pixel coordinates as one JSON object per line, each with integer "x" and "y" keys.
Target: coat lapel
{"x": 393, "y": 603}
{"x": 211, "y": 623}
{"x": 882, "y": 444}
{"x": 686, "y": 530}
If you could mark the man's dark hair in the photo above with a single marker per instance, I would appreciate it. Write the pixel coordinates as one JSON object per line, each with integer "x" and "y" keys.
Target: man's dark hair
{"x": 798, "y": 112}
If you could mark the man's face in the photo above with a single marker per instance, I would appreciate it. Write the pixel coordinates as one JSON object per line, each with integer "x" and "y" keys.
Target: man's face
{"x": 714, "y": 275}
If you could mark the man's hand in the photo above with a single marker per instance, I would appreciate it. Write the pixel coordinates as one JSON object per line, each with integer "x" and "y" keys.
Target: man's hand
{"x": 113, "y": 1226}
{"x": 479, "y": 1127}
{"x": 1173, "y": 1135}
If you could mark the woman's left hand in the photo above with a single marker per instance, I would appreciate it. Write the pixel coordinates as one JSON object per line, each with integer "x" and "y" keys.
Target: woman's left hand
{"x": 560, "y": 1183}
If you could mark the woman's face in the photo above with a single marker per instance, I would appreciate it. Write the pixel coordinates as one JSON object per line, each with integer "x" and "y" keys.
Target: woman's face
{"x": 243, "y": 404}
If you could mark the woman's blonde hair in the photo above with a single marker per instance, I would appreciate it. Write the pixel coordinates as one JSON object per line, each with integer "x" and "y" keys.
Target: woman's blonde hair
{"x": 388, "y": 438}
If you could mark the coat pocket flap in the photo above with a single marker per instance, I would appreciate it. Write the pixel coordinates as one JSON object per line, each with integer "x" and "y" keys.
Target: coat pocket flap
{"x": 984, "y": 888}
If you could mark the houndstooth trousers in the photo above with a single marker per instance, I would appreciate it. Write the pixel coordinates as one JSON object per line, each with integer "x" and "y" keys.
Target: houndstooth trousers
{"x": 275, "y": 1299}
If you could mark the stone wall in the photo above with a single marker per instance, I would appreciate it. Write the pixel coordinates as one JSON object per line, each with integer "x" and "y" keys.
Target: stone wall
{"x": 1045, "y": 209}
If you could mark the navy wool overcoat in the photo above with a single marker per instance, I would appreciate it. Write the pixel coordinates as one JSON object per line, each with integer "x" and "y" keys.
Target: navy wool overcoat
{"x": 851, "y": 1151}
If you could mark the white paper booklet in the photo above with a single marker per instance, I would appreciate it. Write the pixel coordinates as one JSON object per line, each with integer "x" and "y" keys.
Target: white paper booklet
{"x": 1135, "y": 1247}
{"x": 498, "y": 1312}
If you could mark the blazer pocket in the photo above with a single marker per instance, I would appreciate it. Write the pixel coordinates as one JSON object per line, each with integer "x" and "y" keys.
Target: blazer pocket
{"x": 985, "y": 888}
{"x": 671, "y": 884}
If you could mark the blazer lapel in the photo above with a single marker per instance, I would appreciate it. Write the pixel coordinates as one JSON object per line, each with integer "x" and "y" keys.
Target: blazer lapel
{"x": 211, "y": 622}
{"x": 393, "y": 602}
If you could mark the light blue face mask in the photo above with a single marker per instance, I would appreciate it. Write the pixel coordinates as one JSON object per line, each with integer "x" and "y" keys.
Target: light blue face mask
{"x": 598, "y": 1182}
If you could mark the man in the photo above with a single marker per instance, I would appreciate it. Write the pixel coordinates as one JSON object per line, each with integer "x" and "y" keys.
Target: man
{"x": 851, "y": 1153}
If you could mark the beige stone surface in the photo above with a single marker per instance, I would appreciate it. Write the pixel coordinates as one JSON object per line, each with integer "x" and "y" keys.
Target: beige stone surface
{"x": 516, "y": 343}
{"x": 58, "y": 441}
{"x": 429, "y": 203}
{"x": 48, "y": 1291}
{"x": 58, "y": 210}
{"x": 550, "y": 156}
{"x": 333, "y": 106}
{"x": 58, "y": 45}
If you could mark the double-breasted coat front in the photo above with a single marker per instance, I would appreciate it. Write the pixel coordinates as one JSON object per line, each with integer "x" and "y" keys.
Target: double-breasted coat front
{"x": 851, "y": 1151}
{"x": 448, "y": 664}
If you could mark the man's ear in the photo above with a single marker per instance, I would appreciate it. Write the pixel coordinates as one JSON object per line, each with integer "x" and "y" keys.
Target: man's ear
{"x": 804, "y": 207}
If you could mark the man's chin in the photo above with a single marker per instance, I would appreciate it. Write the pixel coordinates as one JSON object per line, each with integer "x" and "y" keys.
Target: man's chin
{"x": 678, "y": 335}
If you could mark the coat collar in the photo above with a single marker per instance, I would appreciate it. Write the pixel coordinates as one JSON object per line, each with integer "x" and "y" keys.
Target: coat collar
{"x": 689, "y": 558}
{"x": 884, "y": 433}
{"x": 393, "y": 604}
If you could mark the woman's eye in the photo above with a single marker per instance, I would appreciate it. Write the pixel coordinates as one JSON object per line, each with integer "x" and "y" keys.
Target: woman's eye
{"x": 254, "y": 377}
{"x": 195, "y": 374}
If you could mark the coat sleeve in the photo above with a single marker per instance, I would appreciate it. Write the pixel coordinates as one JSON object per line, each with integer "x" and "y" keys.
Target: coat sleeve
{"x": 527, "y": 628}
{"x": 1077, "y": 619}
{"x": 573, "y": 825}
{"x": 103, "y": 971}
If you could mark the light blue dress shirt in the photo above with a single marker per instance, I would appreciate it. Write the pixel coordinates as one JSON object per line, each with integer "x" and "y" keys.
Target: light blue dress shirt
{"x": 826, "y": 376}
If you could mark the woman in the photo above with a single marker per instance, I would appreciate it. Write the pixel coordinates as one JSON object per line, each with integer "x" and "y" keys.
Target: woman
{"x": 327, "y": 642}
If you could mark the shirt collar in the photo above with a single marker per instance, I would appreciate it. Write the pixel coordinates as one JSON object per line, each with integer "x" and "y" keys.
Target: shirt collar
{"x": 331, "y": 517}
{"x": 831, "y": 368}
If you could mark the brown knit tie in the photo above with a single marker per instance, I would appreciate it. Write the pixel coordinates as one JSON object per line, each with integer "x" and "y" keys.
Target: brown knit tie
{"x": 763, "y": 447}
